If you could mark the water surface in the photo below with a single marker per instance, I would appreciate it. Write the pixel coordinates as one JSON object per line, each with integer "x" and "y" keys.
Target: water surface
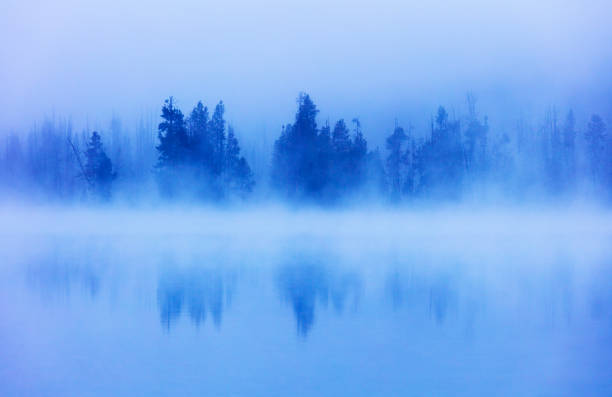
{"x": 296, "y": 304}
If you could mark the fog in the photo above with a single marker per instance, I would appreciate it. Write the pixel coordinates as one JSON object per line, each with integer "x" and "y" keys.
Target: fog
{"x": 376, "y": 61}
{"x": 280, "y": 301}
{"x": 381, "y": 198}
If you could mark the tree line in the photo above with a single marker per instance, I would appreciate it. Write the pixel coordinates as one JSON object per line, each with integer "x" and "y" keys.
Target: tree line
{"x": 199, "y": 157}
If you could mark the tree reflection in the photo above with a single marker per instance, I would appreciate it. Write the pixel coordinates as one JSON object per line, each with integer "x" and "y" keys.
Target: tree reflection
{"x": 199, "y": 292}
{"x": 436, "y": 292}
{"x": 59, "y": 276}
{"x": 303, "y": 284}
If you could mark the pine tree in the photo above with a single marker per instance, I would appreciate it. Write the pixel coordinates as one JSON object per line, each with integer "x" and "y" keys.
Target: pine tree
{"x": 595, "y": 136}
{"x": 98, "y": 168}
{"x": 569, "y": 149}
{"x": 173, "y": 142}
{"x": 199, "y": 138}
{"x": 324, "y": 160}
{"x": 475, "y": 140}
{"x": 294, "y": 168}
{"x": 394, "y": 161}
{"x": 340, "y": 170}
{"x": 440, "y": 161}
{"x": 238, "y": 175}
{"x": 216, "y": 128}
{"x": 358, "y": 157}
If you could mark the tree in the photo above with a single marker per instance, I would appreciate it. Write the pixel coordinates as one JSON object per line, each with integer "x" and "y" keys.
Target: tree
{"x": 475, "y": 140}
{"x": 324, "y": 160}
{"x": 173, "y": 143}
{"x": 13, "y": 165}
{"x": 216, "y": 129}
{"x": 238, "y": 175}
{"x": 440, "y": 161}
{"x": 595, "y": 136}
{"x": 199, "y": 138}
{"x": 357, "y": 156}
{"x": 341, "y": 152}
{"x": 295, "y": 169}
{"x": 569, "y": 149}
{"x": 395, "y": 161}
{"x": 98, "y": 169}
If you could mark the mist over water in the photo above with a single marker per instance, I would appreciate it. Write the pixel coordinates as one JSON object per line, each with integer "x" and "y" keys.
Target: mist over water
{"x": 322, "y": 198}
{"x": 277, "y": 302}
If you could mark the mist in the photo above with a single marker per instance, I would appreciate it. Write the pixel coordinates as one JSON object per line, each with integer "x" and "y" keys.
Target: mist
{"x": 294, "y": 199}
{"x": 377, "y": 61}
{"x": 248, "y": 302}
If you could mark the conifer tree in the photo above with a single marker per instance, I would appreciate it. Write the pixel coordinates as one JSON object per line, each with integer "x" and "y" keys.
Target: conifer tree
{"x": 216, "y": 130}
{"x": 199, "y": 138}
{"x": 595, "y": 137}
{"x": 98, "y": 168}
{"x": 173, "y": 142}
{"x": 238, "y": 175}
{"x": 394, "y": 161}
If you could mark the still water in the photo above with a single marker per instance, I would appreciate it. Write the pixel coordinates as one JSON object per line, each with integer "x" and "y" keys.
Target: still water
{"x": 301, "y": 312}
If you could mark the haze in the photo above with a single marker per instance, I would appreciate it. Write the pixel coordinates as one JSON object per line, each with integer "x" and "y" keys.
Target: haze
{"x": 374, "y": 60}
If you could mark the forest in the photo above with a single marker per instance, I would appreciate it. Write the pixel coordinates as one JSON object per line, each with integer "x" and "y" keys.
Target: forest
{"x": 197, "y": 157}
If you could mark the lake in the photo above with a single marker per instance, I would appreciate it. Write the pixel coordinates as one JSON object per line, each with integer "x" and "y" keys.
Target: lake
{"x": 299, "y": 303}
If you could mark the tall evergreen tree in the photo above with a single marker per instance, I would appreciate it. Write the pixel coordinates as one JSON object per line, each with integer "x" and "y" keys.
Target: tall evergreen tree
{"x": 358, "y": 156}
{"x": 569, "y": 149}
{"x": 295, "y": 153}
{"x": 98, "y": 168}
{"x": 595, "y": 136}
{"x": 216, "y": 130}
{"x": 324, "y": 161}
{"x": 238, "y": 175}
{"x": 342, "y": 145}
{"x": 173, "y": 142}
{"x": 199, "y": 138}
{"x": 440, "y": 160}
{"x": 475, "y": 141}
{"x": 395, "y": 161}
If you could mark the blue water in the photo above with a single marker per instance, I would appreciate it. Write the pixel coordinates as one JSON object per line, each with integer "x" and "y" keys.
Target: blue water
{"x": 107, "y": 314}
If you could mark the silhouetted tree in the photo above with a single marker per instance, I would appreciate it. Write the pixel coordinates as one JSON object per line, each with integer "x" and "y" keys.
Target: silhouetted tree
{"x": 238, "y": 175}
{"x": 98, "y": 168}
{"x": 295, "y": 153}
{"x": 395, "y": 161}
{"x": 216, "y": 129}
{"x": 357, "y": 157}
{"x": 595, "y": 137}
{"x": 569, "y": 149}
{"x": 173, "y": 144}
{"x": 199, "y": 137}
{"x": 439, "y": 161}
{"x": 475, "y": 141}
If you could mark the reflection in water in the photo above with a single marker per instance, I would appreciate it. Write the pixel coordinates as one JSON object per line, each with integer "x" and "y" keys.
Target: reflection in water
{"x": 437, "y": 293}
{"x": 60, "y": 276}
{"x": 199, "y": 291}
{"x": 442, "y": 296}
{"x": 303, "y": 284}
